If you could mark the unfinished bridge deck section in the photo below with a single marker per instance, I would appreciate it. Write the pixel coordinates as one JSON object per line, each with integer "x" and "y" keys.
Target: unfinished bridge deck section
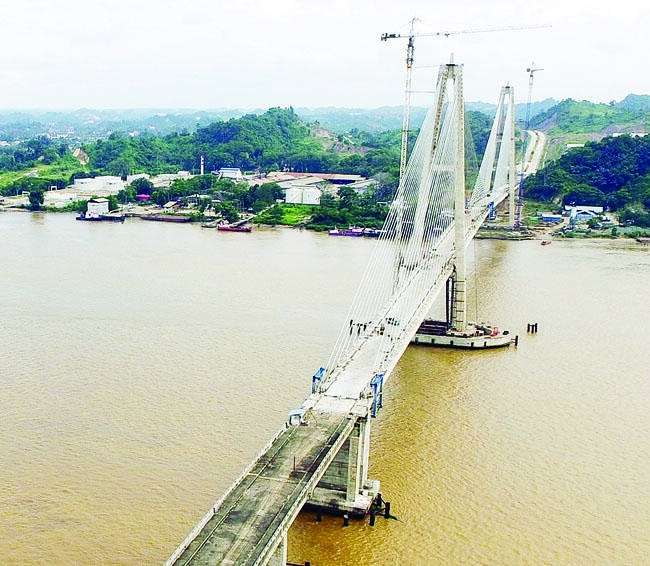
{"x": 243, "y": 528}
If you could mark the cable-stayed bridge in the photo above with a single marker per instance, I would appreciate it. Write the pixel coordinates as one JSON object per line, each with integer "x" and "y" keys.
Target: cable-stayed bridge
{"x": 320, "y": 456}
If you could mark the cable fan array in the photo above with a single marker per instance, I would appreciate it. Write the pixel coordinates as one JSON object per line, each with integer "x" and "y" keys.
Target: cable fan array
{"x": 415, "y": 245}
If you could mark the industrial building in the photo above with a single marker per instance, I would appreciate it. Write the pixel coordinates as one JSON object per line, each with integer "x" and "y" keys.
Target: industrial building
{"x": 232, "y": 173}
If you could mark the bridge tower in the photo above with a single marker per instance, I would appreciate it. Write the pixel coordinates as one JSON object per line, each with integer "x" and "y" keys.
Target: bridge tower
{"x": 460, "y": 305}
{"x": 512, "y": 172}
{"x": 505, "y": 174}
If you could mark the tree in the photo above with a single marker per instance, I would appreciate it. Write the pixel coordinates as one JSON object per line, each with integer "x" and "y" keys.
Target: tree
{"x": 113, "y": 203}
{"x": 36, "y": 198}
{"x": 348, "y": 196}
{"x": 126, "y": 195}
{"x": 258, "y": 206}
{"x": 203, "y": 204}
{"x": 160, "y": 197}
{"x": 229, "y": 212}
{"x": 276, "y": 214}
{"x": 121, "y": 167}
{"x": 142, "y": 186}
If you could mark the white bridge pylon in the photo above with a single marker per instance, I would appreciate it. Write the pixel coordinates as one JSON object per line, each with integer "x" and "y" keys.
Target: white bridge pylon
{"x": 429, "y": 224}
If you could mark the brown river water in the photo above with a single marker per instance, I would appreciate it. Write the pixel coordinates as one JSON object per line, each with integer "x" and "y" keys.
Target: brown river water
{"x": 143, "y": 365}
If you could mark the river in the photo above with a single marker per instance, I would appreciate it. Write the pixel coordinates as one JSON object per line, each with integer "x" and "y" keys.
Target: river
{"x": 143, "y": 365}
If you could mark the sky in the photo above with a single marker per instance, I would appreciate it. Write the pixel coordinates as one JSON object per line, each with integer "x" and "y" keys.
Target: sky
{"x": 208, "y": 54}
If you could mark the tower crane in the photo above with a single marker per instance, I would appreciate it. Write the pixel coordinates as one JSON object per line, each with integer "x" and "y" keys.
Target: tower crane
{"x": 531, "y": 72}
{"x": 410, "y": 52}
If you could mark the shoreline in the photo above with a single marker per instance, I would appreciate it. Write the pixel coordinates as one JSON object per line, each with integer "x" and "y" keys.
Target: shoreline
{"x": 502, "y": 234}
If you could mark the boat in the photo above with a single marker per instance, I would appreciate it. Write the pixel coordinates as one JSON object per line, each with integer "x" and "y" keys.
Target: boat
{"x": 372, "y": 232}
{"x": 167, "y": 218}
{"x": 546, "y": 242}
{"x": 225, "y": 227}
{"x": 101, "y": 218}
{"x": 353, "y": 231}
{"x": 109, "y": 218}
{"x": 212, "y": 224}
{"x": 476, "y": 336}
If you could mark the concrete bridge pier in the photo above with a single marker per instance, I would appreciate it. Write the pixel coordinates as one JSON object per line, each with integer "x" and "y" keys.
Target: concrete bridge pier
{"x": 345, "y": 485}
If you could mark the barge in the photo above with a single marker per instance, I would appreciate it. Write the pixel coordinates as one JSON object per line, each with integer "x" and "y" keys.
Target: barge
{"x": 476, "y": 336}
{"x": 101, "y": 218}
{"x": 167, "y": 218}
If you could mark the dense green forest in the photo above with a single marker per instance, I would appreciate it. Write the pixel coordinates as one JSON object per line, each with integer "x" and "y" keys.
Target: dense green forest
{"x": 614, "y": 173}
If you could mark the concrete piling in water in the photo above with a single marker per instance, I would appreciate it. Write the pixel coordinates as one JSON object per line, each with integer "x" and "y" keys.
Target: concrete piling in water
{"x": 372, "y": 517}
{"x": 516, "y": 341}
{"x": 346, "y": 520}
{"x": 319, "y": 515}
{"x": 387, "y": 510}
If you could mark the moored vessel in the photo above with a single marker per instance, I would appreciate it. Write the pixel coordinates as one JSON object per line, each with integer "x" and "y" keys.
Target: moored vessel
{"x": 353, "y": 231}
{"x": 225, "y": 227}
{"x": 100, "y": 218}
{"x": 476, "y": 336}
{"x": 166, "y": 218}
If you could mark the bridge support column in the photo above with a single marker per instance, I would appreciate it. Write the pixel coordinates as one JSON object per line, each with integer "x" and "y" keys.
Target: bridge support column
{"x": 345, "y": 485}
{"x": 279, "y": 557}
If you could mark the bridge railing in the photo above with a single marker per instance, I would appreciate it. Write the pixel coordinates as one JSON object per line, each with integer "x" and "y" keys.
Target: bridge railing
{"x": 204, "y": 521}
{"x": 304, "y": 494}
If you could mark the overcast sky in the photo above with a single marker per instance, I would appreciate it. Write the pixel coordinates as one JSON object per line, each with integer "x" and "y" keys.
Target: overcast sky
{"x": 252, "y": 53}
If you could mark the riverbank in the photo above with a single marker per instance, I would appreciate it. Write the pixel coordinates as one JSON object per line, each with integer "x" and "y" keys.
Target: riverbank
{"x": 487, "y": 232}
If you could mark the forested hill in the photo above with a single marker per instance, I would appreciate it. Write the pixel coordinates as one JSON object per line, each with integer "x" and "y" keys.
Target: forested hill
{"x": 275, "y": 140}
{"x": 614, "y": 172}
{"x": 632, "y": 114}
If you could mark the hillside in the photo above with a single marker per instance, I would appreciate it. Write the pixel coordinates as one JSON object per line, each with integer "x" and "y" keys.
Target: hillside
{"x": 584, "y": 117}
{"x": 614, "y": 173}
{"x": 635, "y": 102}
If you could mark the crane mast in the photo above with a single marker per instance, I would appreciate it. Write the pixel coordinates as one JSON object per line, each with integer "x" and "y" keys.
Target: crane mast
{"x": 410, "y": 55}
{"x": 410, "y": 51}
{"x": 520, "y": 203}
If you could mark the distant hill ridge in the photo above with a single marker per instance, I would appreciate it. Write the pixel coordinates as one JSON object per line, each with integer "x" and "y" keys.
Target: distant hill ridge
{"x": 568, "y": 116}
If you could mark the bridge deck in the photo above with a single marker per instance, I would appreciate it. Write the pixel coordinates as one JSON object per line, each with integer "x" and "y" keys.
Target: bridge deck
{"x": 267, "y": 499}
